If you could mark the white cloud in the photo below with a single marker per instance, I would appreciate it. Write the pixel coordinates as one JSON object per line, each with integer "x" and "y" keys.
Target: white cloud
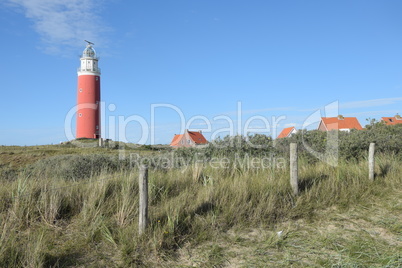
{"x": 259, "y": 111}
{"x": 372, "y": 114}
{"x": 63, "y": 23}
{"x": 291, "y": 125}
{"x": 370, "y": 103}
{"x": 361, "y": 104}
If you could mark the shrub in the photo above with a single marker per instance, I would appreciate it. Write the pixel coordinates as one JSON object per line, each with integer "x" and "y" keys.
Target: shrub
{"x": 352, "y": 145}
{"x": 252, "y": 145}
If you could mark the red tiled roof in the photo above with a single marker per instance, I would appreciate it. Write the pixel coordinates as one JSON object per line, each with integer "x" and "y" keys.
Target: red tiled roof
{"x": 335, "y": 123}
{"x": 285, "y": 132}
{"x": 176, "y": 139}
{"x": 392, "y": 120}
{"x": 197, "y": 137}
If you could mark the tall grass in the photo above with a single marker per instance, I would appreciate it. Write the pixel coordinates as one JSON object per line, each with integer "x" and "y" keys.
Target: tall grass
{"x": 83, "y": 214}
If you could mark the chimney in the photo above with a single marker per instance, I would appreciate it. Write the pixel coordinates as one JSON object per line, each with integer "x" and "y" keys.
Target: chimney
{"x": 398, "y": 117}
{"x": 200, "y": 131}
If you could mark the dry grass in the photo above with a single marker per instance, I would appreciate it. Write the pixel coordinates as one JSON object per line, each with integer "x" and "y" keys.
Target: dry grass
{"x": 202, "y": 216}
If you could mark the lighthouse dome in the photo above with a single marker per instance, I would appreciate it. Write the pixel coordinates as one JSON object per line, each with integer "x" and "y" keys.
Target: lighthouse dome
{"x": 89, "y": 52}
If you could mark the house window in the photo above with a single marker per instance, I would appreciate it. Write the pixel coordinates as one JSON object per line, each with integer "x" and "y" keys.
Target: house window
{"x": 188, "y": 141}
{"x": 390, "y": 120}
{"x": 182, "y": 142}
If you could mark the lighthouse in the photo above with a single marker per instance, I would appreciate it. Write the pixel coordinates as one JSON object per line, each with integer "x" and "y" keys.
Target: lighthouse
{"x": 88, "y": 95}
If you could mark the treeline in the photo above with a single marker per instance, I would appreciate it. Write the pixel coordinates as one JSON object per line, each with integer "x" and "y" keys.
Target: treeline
{"x": 347, "y": 145}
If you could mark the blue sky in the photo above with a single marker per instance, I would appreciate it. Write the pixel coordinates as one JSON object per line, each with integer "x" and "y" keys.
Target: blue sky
{"x": 279, "y": 59}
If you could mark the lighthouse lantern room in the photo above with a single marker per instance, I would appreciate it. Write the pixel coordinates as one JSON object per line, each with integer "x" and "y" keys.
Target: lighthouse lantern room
{"x": 88, "y": 95}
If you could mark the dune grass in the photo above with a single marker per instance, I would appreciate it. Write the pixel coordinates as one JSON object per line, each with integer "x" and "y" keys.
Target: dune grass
{"x": 203, "y": 216}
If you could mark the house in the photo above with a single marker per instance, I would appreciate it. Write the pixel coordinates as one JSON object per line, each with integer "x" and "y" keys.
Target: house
{"x": 189, "y": 139}
{"x": 287, "y": 132}
{"x": 339, "y": 123}
{"x": 397, "y": 119}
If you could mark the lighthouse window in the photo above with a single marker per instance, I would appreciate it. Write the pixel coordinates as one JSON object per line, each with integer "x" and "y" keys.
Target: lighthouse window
{"x": 80, "y": 114}
{"x": 97, "y": 78}
{"x": 97, "y": 127}
{"x": 80, "y": 89}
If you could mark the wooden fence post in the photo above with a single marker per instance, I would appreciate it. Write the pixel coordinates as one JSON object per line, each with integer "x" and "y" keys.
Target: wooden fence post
{"x": 371, "y": 161}
{"x": 294, "y": 168}
{"x": 143, "y": 189}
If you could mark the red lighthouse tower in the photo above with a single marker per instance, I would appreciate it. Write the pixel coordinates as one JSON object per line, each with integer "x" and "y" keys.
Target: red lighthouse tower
{"x": 88, "y": 95}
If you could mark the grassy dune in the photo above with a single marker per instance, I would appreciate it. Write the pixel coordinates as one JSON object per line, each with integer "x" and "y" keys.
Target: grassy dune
{"x": 64, "y": 207}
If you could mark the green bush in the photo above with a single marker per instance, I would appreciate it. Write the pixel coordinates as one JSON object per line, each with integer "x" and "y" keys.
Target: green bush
{"x": 352, "y": 145}
{"x": 252, "y": 145}
{"x": 387, "y": 139}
